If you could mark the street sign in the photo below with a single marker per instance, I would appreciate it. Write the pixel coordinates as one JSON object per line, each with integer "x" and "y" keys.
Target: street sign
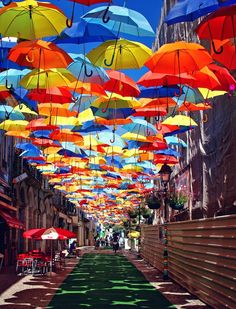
{"x": 20, "y": 178}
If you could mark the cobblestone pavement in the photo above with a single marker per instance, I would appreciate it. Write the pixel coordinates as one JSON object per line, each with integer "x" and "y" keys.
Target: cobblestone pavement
{"x": 36, "y": 292}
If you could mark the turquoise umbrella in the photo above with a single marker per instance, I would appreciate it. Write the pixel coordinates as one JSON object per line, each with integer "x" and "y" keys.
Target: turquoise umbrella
{"x": 121, "y": 20}
{"x": 110, "y": 138}
{"x": 86, "y": 72}
{"x": 140, "y": 127}
{"x": 7, "y": 112}
{"x": 173, "y": 140}
{"x": 11, "y": 78}
{"x": 189, "y": 95}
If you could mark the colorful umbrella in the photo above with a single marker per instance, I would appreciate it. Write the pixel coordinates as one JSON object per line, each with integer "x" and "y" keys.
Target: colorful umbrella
{"x": 224, "y": 53}
{"x": 179, "y": 57}
{"x": 121, "y": 84}
{"x": 54, "y": 94}
{"x": 39, "y": 54}
{"x": 120, "y": 54}
{"x": 38, "y": 79}
{"x": 31, "y": 20}
{"x": 121, "y": 20}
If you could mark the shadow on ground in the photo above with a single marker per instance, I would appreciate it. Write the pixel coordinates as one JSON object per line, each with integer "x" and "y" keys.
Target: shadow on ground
{"x": 107, "y": 281}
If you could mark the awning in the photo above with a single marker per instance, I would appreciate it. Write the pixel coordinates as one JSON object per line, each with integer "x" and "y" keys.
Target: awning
{"x": 12, "y": 222}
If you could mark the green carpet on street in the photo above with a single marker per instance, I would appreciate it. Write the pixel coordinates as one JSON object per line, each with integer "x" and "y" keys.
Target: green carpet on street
{"x": 107, "y": 281}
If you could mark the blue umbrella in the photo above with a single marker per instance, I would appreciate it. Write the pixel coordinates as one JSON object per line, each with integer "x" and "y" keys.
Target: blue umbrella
{"x": 20, "y": 94}
{"x": 173, "y": 140}
{"x": 189, "y": 95}
{"x": 85, "y": 71}
{"x": 41, "y": 134}
{"x": 169, "y": 152}
{"x": 189, "y": 10}
{"x": 111, "y": 113}
{"x": 7, "y": 112}
{"x": 82, "y": 103}
{"x": 159, "y": 92}
{"x": 27, "y": 146}
{"x": 10, "y": 78}
{"x": 121, "y": 20}
{"x": 110, "y": 138}
{"x": 140, "y": 126}
{"x": 69, "y": 153}
{"x": 88, "y": 127}
{"x": 114, "y": 161}
{"x": 83, "y": 32}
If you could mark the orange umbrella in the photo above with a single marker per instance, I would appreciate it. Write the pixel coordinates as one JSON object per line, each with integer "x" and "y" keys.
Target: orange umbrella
{"x": 179, "y": 57}
{"x": 39, "y": 124}
{"x": 39, "y": 54}
{"x": 87, "y": 88}
{"x": 150, "y": 112}
{"x": 55, "y": 109}
{"x": 121, "y": 84}
{"x": 107, "y": 122}
{"x": 225, "y": 53}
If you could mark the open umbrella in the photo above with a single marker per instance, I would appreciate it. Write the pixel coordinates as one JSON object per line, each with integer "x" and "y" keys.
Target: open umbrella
{"x": 121, "y": 20}
{"x": 224, "y": 53}
{"x": 31, "y": 20}
{"x": 120, "y": 54}
{"x": 39, "y": 54}
{"x": 38, "y": 79}
{"x": 121, "y": 84}
{"x": 188, "y": 10}
{"x": 55, "y": 94}
{"x": 179, "y": 57}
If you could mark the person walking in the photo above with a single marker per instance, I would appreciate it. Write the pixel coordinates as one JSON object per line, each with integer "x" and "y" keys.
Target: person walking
{"x": 115, "y": 242}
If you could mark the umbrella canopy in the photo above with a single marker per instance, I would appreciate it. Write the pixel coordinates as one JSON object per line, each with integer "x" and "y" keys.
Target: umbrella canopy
{"x": 55, "y": 94}
{"x": 139, "y": 126}
{"x": 121, "y": 84}
{"x": 218, "y": 25}
{"x": 188, "y": 10}
{"x": 45, "y": 79}
{"x": 49, "y": 233}
{"x": 86, "y": 72}
{"x": 121, "y": 20}
{"x": 180, "y": 120}
{"x": 226, "y": 80}
{"x": 120, "y": 54}
{"x": 39, "y": 54}
{"x": 31, "y": 20}
{"x": 179, "y": 57}
{"x": 224, "y": 53}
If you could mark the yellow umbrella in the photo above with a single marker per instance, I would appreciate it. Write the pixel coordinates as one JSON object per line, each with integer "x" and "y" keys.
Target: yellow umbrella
{"x": 31, "y": 20}
{"x": 180, "y": 120}
{"x": 115, "y": 101}
{"x": 18, "y": 134}
{"x": 206, "y": 93}
{"x": 120, "y": 54}
{"x": 13, "y": 125}
{"x": 60, "y": 121}
{"x": 51, "y": 150}
{"x": 85, "y": 115}
{"x": 45, "y": 79}
{"x": 22, "y": 108}
{"x": 137, "y": 137}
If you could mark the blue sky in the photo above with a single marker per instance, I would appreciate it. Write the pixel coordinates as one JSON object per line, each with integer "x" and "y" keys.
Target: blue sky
{"x": 149, "y": 8}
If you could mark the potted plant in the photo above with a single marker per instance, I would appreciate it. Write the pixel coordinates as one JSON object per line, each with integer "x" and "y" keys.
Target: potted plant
{"x": 132, "y": 214}
{"x": 177, "y": 201}
{"x": 153, "y": 200}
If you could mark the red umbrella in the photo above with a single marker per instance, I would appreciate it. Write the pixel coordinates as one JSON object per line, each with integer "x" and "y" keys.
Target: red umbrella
{"x": 165, "y": 159}
{"x": 39, "y": 124}
{"x": 121, "y": 84}
{"x": 218, "y": 25}
{"x": 228, "y": 56}
{"x": 49, "y": 233}
{"x": 151, "y": 79}
{"x": 55, "y": 95}
{"x": 150, "y": 112}
{"x": 227, "y": 81}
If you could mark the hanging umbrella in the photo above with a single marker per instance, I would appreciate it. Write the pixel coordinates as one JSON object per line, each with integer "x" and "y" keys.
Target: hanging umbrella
{"x": 87, "y": 88}
{"x": 55, "y": 109}
{"x": 110, "y": 138}
{"x": 38, "y": 79}
{"x": 191, "y": 107}
{"x": 179, "y": 57}
{"x": 139, "y": 126}
{"x": 39, "y": 54}
{"x": 219, "y": 25}
{"x": 151, "y": 79}
{"x": 115, "y": 101}
{"x": 225, "y": 53}
{"x": 86, "y": 72}
{"x": 188, "y": 10}
{"x": 205, "y": 78}
{"x": 189, "y": 95}
{"x": 157, "y": 102}
{"x": 160, "y": 92}
{"x": 226, "y": 80}
{"x": 22, "y": 108}
{"x": 84, "y": 32}
{"x": 16, "y": 125}
{"x": 66, "y": 136}
{"x": 173, "y": 140}
{"x": 120, "y": 54}
{"x": 7, "y": 112}
{"x": 11, "y": 77}
{"x": 31, "y": 20}
{"x": 149, "y": 112}
{"x": 121, "y": 20}
{"x": 180, "y": 120}
{"x": 121, "y": 84}
{"x": 55, "y": 94}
